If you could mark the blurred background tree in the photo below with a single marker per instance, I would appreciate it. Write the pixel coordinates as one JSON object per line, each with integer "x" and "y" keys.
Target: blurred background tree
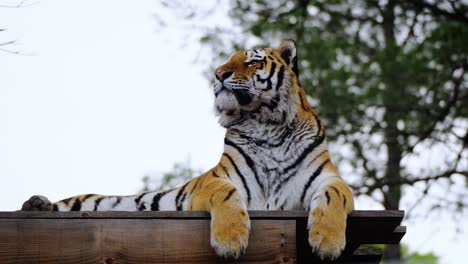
{"x": 180, "y": 173}
{"x": 388, "y": 78}
{"x": 408, "y": 256}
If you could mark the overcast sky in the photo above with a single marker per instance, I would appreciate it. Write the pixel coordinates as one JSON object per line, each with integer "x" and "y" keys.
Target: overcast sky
{"x": 100, "y": 97}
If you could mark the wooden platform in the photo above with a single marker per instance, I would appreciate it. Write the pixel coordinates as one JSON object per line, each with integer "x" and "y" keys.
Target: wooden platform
{"x": 177, "y": 237}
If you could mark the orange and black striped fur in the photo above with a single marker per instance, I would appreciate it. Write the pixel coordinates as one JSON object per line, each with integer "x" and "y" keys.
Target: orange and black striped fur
{"x": 275, "y": 158}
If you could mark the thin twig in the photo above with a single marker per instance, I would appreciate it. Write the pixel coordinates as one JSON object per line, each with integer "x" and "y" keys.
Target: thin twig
{"x": 436, "y": 10}
{"x": 20, "y": 5}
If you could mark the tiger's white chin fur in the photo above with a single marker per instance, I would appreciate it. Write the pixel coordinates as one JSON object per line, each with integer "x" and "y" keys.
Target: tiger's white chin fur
{"x": 227, "y": 108}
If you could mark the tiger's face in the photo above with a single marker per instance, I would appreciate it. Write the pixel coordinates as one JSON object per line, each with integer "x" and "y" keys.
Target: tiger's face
{"x": 256, "y": 85}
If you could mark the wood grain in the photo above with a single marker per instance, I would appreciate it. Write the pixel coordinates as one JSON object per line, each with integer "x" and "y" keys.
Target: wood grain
{"x": 135, "y": 241}
{"x": 177, "y": 237}
{"x": 360, "y": 214}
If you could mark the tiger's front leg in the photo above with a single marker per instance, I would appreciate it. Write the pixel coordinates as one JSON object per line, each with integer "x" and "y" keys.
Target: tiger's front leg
{"x": 329, "y": 208}
{"x": 230, "y": 223}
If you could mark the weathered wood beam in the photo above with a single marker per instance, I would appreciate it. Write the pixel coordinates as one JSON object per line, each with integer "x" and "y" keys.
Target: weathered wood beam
{"x": 175, "y": 237}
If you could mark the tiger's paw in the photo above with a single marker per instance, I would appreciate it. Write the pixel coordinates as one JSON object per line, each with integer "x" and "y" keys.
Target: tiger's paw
{"x": 229, "y": 238}
{"x": 37, "y": 203}
{"x": 327, "y": 233}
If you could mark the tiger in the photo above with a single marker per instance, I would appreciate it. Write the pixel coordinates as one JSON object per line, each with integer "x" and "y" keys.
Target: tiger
{"x": 275, "y": 158}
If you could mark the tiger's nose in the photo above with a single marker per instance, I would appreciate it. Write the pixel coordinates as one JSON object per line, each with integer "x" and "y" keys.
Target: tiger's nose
{"x": 222, "y": 75}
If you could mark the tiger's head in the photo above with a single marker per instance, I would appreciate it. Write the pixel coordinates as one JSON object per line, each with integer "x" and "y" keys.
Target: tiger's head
{"x": 259, "y": 85}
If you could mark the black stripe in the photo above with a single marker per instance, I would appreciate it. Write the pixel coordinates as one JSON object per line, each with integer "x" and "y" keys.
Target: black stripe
{"x": 344, "y": 201}
{"x": 312, "y": 177}
{"x": 87, "y": 196}
{"x": 319, "y": 124}
{"x": 246, "y": 187}
{"x": 280, "y": 141}
{"x": 287, "y": 132}
{"x": 287, "y": 178}
{"x": 280, "y": 77}
{"x": 76, "y": 205}
{"x": 97, "y": 202}
{"x": 142, "y": 207}
{"x": 335, "y": 189}
{"x": 66, "y": 201}
{"x": 229, "y": 194}
{"x": 248, "y": 160}
{"x": 225, "y": 170}
{"x": 302, "y": 102}
{"x": 155, "y": 204}
{"x": 282, "y": 206}
{"x": 179, "y": 195}
{"x": 268, "y": 79}
{"x": 137, "y": 200}
{"x": 328, "y": 197}
{"x": 55, "y": 207}
{"x": 262, "y": 64}
{"x": 272, "y": 71}
{"x": 261, "y": 60}
{"x": 318, "y": 156}
{"x": 273, "y": 102}
{"x": 304, "y": 153}
{"x": 119, "y": 199}
{"x": 197, "y": 180}
{"x": 275, "y": 122}
{"x": 215, "y": 174}
{"x": 181, "y": 202}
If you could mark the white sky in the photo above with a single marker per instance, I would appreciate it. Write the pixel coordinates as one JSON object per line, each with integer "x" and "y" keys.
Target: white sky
{"x": 102, "y": 97}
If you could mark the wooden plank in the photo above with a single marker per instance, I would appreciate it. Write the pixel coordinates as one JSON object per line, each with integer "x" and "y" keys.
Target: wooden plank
{"x": 176, "y": 237}
{"x": 56, "y": 240}
{"x": 361, "y": 214}
{"x": 363, "y": 227}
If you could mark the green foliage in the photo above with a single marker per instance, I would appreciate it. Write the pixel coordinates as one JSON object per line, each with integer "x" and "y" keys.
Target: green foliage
{"x": 181, "y": 173}
{"x": 384, "y": 77}
{"x": 410, "y": 257}
{"x": 416, "y": 258}
{"x": 388, "y": 78}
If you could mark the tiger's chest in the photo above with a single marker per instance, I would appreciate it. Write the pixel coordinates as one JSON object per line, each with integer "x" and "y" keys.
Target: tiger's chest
{"x": 278, "y": 171}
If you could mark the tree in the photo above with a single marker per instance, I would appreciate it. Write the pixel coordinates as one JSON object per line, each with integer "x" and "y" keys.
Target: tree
{"x": 389, "y": 80}
{"x": 181, "y": 173}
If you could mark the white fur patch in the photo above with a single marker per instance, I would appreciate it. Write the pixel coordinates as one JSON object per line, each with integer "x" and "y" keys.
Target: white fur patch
{"x": 257, "y": 54}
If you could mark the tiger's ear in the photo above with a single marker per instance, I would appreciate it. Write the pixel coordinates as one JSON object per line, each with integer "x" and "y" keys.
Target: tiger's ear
{"x": 288, "y": 52}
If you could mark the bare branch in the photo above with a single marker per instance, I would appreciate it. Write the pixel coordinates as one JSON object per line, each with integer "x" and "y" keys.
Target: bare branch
{"x": 405, "y": 181}
{"x": 10, "y": 51}
{"x": 8, "y": 43}
{"x": 436, "y": 10}
{"x": 348, "y": 15}
{"x": 443, "y": 113}
{"x": 411, "y": 28}
{"x": 360, "y": 153}
{"x": 410, "y": 210}
{"x": 21, "y": 4}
